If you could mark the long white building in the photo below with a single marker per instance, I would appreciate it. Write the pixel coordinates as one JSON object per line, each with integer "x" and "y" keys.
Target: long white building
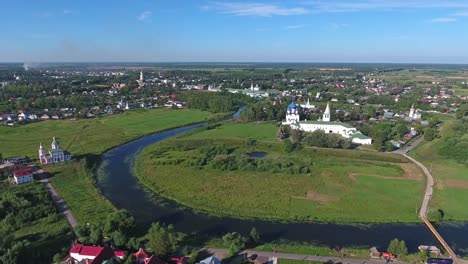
{"x": 325, "y": 124}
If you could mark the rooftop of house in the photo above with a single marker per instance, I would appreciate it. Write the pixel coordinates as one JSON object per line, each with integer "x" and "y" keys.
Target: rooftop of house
{"x": 22, "y": 172}
{"x": 360, "y": 136}
{"x": 327, "y": 123}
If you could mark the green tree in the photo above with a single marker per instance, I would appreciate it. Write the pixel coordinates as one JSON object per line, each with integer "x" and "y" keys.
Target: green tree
{"x": 436, "y": 216}
{"x": 234, "y": 241}
{"x": 161, "y": 239}
{"x": 121, "y": 221}
{"x": 398, "y": 248}
{"x": 254, "y": 236}
{"x": 95, "y": 234}
{"x": 462, "y": 111}
{"x": 401, "y": 130}
{"x": 429, "y": 134}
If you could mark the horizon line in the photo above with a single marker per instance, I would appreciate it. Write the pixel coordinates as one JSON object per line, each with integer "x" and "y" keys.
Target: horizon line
{"x": 232, "y": 62}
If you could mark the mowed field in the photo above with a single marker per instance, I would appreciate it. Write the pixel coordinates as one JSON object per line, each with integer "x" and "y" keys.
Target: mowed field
{"x": 90, "y": 137}
{"x": 451, "y": 178}
{"x": 342, "y": 186}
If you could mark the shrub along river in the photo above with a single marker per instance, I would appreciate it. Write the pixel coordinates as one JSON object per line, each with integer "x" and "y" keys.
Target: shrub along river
{"x": 117, "y": 183}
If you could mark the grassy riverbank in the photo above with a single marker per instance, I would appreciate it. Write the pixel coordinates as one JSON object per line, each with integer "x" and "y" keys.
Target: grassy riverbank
{"x": 451, "y": 177}
{"x": 74, "y": 181}
{"x": 309, "y": 185}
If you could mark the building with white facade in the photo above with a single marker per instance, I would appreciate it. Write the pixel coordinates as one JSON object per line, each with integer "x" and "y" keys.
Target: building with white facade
{"x": 23, "y": 175}
{"x": 141, "y": 81}
{"x": 414, "y": 114}
{"x": 307, "y": 105}
{"x": 325, "y": 124}
{"x": 56, "y": 154}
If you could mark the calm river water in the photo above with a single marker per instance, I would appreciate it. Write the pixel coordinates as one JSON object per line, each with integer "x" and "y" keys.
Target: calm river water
{"x": 118, "y": 184}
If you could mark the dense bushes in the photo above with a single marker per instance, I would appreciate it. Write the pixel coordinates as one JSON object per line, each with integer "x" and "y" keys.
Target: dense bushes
{"x": 456, "y": 146}
{"x": 321, "y": 139}
{"x": 20, "y": 208}
{"x": 226, "y": 158}
{"x": 26, "y": 206}
{"x": 214, "y": 102}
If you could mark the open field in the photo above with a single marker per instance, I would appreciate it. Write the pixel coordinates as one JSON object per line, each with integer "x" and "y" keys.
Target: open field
{"x": 265, "y": 131}
{"x": 71, "y": 180}
{"x": 77, "y": 189}
{"x": 92, "y": 135}
{"x": 451, "y": 177}
{"x": 319, "y": 184}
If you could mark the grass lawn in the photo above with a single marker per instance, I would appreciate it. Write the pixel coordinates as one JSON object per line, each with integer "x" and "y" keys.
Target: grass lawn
{"x": 311, "y": 249}
{"x": 265, "y": 131}
{"x": 451, "y": 198}
{"x": 343, "y": 185}
{"x": 78, "y": 190}
{"x": 91, "y": 136}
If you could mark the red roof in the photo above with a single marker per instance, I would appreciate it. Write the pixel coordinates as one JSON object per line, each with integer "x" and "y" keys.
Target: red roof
{"x": 98, "y": 254}
{"x": 140, "y": 254}
{"x": 22, "y": 172}
{"x": 86, "y": 250}
{"x": 120, "y": 253}
{"x": 91, "y": 251}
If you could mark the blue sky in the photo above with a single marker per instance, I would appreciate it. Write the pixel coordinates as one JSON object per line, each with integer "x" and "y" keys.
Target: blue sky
{"x": 413, "y": 31}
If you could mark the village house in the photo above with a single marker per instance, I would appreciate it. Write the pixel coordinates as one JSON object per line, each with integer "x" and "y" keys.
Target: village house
{"x": 141, "y": 257}
{"x": 93, "y": 254}
{"x": 22, "y": 175}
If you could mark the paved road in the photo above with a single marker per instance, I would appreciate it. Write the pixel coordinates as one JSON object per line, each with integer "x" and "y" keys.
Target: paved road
{"x": 59, "y": 202}
{"x": 304, "y": 257}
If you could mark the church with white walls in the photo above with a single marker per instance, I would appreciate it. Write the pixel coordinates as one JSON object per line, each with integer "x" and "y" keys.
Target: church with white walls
{"x": 325, "y": 124}
{"x": 56, "y": 154}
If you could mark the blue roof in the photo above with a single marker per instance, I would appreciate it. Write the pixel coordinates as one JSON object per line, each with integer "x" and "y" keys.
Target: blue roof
{"x": 292, "y": 105}
{"x": 211, "y": 260}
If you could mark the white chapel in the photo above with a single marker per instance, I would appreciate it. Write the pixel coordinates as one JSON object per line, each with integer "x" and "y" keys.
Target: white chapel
{"x": 325, "y": 124}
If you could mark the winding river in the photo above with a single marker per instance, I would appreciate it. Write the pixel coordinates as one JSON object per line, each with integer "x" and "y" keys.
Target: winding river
{"x": 117, "y": 183}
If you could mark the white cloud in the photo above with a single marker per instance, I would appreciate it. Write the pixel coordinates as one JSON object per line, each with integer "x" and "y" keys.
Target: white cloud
{"x": 254, "y": 9}
{"x": 335, "y": 6}
{"x": 464, "y": 13}
{"x": 144, "y": 16}
{"x": 336, "y": 26}
{"x": 443, "y": 20}
{"x": 294, "y": 26}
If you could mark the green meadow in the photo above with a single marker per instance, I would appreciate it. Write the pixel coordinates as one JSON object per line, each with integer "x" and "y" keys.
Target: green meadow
{"x": 265, "y": 131}
{"x": 74, "y": 181}
{"x": 84, "y": 136}
{"x": 451, "y": 177}
{"x": 309, "y": 185}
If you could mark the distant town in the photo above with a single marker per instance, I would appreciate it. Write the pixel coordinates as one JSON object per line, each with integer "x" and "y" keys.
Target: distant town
{"x": 254, "y": 145}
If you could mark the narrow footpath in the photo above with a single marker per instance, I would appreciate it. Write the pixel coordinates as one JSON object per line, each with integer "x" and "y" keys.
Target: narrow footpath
{"x": 323, "y": 259}
{"x": 427, "y": 198}
{"x": 59, "y": 202}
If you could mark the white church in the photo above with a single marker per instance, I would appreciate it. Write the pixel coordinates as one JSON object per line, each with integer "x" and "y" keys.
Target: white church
{"x": 56, "y": 154}
{"x": 325, "y": 124}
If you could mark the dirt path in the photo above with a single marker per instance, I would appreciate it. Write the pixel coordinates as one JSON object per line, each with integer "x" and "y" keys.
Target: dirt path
{"x": 59, "y": 202}
{"x": 427, "y": 198}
